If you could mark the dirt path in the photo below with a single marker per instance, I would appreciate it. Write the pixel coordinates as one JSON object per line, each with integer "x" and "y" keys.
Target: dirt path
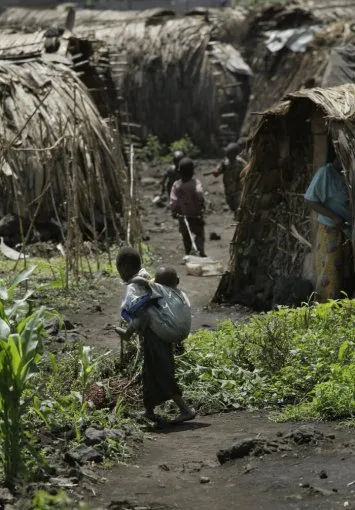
{"x": 167, "y": 247}
{"x": 170, "y": 469}
{"x": 167, "y": 471}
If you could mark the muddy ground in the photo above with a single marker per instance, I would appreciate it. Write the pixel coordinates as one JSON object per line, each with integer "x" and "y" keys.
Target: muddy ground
{"x": 177, "y": 468}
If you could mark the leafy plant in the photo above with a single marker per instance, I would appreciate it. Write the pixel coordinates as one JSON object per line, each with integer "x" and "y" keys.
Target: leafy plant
{"x": 21, "y": 332}
{"x": 152, "y": 149}
{"x": 43, "y": 500}
{"x": 301, "y": 361}
{"x": 156, "y": 152}
{"x": 186, "y": 145}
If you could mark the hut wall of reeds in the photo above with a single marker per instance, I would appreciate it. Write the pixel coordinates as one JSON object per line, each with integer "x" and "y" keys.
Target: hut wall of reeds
{"x": 275, "y": 232}
{"x": 60, "y": 163}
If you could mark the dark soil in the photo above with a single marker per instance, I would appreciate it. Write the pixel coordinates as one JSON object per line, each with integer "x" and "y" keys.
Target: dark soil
{"x": 179, "y": 469}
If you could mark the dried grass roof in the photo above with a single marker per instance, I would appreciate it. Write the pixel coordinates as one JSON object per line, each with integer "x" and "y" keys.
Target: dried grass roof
{"x": 49, "y": 120}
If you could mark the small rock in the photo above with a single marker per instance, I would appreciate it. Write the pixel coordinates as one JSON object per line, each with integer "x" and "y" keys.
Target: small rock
{"x": 323, "y": 474}
{"x": 52, "y": 326}
{"x": 204, "y": 479}
{"x": 82, "y": 454}
{"x": 240, "y": 449}
{"x": 247, "y": 469}
{"x": 321, "y": 491}
{"x": 64, "y": 482}
{"x": 94, "y": 436}
{"x": 164, "y": 467}
{"x": 115, "y": 434}
{"x": 6, "y": 496}
{"x": 68, "y": 324}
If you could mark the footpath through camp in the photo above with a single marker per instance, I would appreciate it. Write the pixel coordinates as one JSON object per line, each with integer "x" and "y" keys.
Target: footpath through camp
{"x": 240, "y": 459}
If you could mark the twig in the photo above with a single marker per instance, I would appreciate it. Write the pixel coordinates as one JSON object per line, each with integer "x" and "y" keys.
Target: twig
{"x": 40, "y": 150}
{"x": 26, "y": 123}
{"x": 131, "y": 189}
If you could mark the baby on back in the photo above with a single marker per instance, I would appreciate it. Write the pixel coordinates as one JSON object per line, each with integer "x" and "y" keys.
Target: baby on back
{"x": 167, "y": 311}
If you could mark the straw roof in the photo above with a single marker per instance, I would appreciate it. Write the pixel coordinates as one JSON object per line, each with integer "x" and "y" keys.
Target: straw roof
{"x": 275, "y": 230}
{"x": 55, "y": 146}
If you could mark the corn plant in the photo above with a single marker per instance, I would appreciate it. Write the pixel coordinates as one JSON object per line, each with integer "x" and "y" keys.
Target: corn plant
{"x": 87, "y": 365}
{"x": 21, "y": 332}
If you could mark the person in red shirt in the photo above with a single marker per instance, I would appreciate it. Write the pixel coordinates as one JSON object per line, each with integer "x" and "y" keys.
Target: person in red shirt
{"x": 187, "y": 201}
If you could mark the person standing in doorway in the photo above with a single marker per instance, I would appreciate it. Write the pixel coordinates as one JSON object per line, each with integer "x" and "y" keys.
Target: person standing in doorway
{"x": 328, "y": 196}
{"x": 231, "y": 168}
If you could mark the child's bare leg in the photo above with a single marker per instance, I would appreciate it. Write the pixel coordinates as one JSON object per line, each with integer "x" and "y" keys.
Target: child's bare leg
{"x": 186, "y": 413}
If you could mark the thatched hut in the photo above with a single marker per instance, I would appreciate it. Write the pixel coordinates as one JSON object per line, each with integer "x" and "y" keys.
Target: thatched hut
{"x": 179, "y": 76}
{"x": 275, "y": 232}
{"x": 89, "y": 59}
{"x": 58, "y": 158}
{"x": 175, "y": 75}
{"x": 288, "y": 47}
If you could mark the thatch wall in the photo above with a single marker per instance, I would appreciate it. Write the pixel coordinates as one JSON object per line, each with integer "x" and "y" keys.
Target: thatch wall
{"x": 55, "y": 151}
{"x": 275, "y": 230}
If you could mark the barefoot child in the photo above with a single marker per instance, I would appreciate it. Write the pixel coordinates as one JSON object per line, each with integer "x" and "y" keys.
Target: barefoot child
{"x": 159, "y": 384}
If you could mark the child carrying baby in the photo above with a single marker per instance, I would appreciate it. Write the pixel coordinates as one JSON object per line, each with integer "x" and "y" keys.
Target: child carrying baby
{"x": 159, "y": 384}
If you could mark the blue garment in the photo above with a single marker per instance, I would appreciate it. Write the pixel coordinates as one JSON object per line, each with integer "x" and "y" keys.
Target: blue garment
{"x": 329, "y": 189}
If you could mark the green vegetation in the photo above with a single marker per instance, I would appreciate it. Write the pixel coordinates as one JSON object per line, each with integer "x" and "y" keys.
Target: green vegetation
{"x": 43, "y": 397}
{"x": 300, "y": 361}
{"x": 156, "y": 152}
{"x": 296, "y": 363}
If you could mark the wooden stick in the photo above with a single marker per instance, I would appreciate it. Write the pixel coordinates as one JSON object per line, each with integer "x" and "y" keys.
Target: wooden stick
{"x": 131, "y": 189}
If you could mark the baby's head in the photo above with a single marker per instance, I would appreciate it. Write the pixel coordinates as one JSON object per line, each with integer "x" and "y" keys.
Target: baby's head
{"x": 167, "y": 276}
{"x": 128, "y": 263}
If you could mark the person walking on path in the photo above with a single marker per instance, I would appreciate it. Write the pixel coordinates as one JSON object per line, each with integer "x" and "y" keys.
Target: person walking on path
{"x": 187, "y": 204}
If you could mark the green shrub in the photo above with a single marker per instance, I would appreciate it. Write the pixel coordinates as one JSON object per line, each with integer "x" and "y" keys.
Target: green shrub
{"x": 301, "y": 361}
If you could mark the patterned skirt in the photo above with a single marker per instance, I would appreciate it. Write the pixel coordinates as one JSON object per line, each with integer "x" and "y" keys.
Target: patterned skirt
{"x": 329, "y": 262}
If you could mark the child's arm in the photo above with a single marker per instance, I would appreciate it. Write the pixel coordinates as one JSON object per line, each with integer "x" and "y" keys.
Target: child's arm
{"x": 133, "y": 327}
